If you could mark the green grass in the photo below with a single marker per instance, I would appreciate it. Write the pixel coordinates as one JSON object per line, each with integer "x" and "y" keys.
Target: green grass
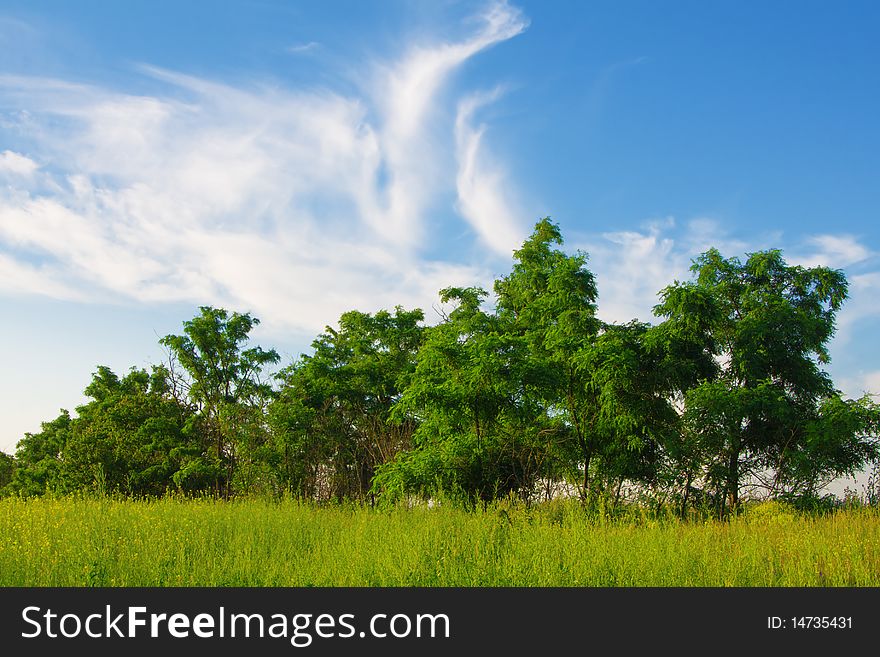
{"x": 104, "y": 542}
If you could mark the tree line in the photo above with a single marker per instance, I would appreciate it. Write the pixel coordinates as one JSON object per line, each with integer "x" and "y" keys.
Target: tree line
{"x": 525, "y": 392}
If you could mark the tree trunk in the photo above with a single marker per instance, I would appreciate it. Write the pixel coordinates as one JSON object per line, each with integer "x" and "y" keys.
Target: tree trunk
{"x": 733, "y": 477}
{"x": 586, "y": 485}
{"x": 687, "y": 490}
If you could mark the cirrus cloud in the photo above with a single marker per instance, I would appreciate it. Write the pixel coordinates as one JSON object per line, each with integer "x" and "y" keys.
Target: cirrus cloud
{"x": 297, "y": 204}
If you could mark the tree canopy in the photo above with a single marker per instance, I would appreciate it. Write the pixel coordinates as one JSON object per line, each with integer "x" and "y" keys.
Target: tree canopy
{"x": 223, "y": 380}
{"x": 768, "y": 414}
{"x": 522, "y": 392}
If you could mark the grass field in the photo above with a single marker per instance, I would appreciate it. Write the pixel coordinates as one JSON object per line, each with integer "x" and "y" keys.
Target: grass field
{"x": 104, "y": 542}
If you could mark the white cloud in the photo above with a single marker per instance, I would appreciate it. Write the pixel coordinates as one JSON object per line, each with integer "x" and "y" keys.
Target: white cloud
{"x": 859, "y": 384}
{"x": 704, "y": 233}
{"x": 483, "y": 196}
{"x": 845, "y": 252}
{"x": 21, "y": 278}
{"x": 16, "y": 164}
{"x": 633, "y": 266}
{"x": 864, "y": 290}
{"x": 294, "y": 204}
{"x": 301, "y": 48}
{"x": 833, "y": 251}
{"x": 405, "y": 94}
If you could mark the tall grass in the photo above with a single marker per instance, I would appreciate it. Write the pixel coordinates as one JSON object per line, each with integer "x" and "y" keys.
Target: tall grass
{"x": 104, "y": 542}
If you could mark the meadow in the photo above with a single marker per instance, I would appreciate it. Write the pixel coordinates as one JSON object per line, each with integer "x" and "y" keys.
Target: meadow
{"x": 177, "y": 542}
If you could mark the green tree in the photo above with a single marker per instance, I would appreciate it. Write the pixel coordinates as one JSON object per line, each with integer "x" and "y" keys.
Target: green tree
{"x": 224, "y": 381}
{"x": 540, "y": 389}
{"x": 596, "y": 380}
{"x": 629, "y": 377}
{"x": 38, "y": 458}
{"x": 132, "y": 437}
{"x": 332, "y": 419}
{"x": 549, "y": 299}
{"x": 480, "y": 432}
{"x": 768, "y": 413}
{"x": 7, "y": 469}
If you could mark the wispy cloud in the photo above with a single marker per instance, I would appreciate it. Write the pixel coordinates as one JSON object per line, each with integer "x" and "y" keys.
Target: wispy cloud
{"x": 632, "y": 266}
{"x": 295, "y": 204}
{"x": 16, "y": 164}
{"x": 848, "y": 253}
{"x": 484, "y": 195}
{"x": 861, "y": 383}
{"x": 22, "y": 279}
{"x": 406, "y": 96}
{"x": 864, "y": 290}
{"x": 832, "y": 251}
{"x": 302, "y": 48}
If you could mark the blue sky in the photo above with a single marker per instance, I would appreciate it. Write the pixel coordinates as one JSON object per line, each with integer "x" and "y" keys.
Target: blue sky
{"x": 296, "y": 160}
